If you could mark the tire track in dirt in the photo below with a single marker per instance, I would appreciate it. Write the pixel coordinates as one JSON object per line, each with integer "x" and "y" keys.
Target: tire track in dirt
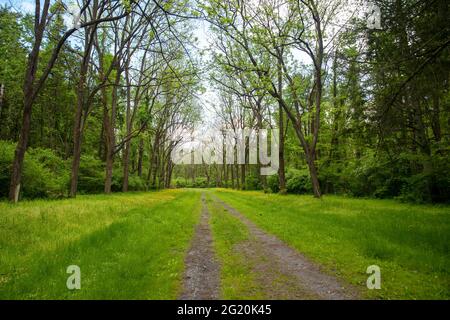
{"x": 201, "y": 280}
{"x": 274, "y": 260}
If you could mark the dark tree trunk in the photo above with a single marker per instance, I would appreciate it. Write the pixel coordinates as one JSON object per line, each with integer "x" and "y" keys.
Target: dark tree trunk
{"x": 140, "y": 157}
{"x": 77, "y": 136}
{"x": 2, "y": 93}
{"x": 81, "y": 105}
{"x": 281, "y": 169}
{"x": 436, "y": 124}
{"x": 126, "y": 155}
{"x": 111, "y": 139}
{"x": 29, "y": 95}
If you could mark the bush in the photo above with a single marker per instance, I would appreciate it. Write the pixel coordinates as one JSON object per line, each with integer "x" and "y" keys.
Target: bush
{"x": 432, "y": 185}
{"x": 181, "y": 183}
{"x": 6, "y": 158}
{"x": 298, "y": 181}
{"x": 201, "y": 183}
{"x": 136, "y": 183}
{"x": 91, "y": 177}
{"x": 252, "y": 182}
{"x": 273, "y": 183}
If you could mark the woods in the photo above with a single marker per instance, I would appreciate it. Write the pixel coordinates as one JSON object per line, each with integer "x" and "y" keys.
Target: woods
{"x": 96, "y": 95}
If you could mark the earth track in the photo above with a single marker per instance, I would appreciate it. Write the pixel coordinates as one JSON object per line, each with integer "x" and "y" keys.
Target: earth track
{"x": 201, "y": 280}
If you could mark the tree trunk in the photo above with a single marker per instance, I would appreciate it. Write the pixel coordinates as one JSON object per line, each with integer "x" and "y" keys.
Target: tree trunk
{"x": 140, "y": 157}
{"x": 77, "y": 136}
{"x": 436, "y": 119}
{"x": 19, "y": 154}
{"x": 314, "y": 178}
{"x": 111, "y": 140}
{"x": 29, "y": 95}
{"x": 2, "y": 93}
{"x": 81, "y": 105}
{"x": 281, "y": 170}
{"x": 126, "y": 155}
{"x": 231, "y": 167}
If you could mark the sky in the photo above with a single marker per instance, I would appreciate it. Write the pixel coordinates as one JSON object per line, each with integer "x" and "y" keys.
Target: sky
{"x": 26, "y": 6}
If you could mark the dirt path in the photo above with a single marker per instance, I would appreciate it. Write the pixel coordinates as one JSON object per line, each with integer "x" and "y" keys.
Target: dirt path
{"x": 283, "y": 272}
{"x": 202, "y": 274}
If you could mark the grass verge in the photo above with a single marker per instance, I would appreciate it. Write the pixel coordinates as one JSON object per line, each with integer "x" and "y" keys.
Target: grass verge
{"x": 128, "y": 246}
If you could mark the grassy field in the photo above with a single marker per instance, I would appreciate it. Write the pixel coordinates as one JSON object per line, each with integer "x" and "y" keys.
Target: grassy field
{"x": 128, "y": 246}
{"x": 410, "y": 243}
{"x": 132, "y": 246}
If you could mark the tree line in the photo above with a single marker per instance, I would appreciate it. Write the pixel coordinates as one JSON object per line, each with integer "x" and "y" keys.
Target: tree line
{"x": 361, "y": 111}
{"x": 94, "y": 106}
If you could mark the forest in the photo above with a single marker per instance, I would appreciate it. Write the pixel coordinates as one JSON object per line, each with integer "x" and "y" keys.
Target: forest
{"x": 89, "y": 109}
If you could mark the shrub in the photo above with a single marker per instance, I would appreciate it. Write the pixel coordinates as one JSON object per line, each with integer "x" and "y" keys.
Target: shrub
{"x": 91, "y": 177}
{"x": 201, "y": 183}
{"x": 252, "y": 182}
{"x": 136, "y": 183}
{"x": 181, "y": 183}
{"x": 44, "y": 173}
{"x": 298, "y": 181}
{"x": 6, "y": 158}
{"x": 272, "y": 183}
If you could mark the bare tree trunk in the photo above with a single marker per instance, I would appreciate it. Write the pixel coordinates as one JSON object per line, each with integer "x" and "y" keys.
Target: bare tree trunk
{"x": 436, "y": 119}
{"x": 153, "y": 161}
{"x": 126, "y": 155}
{"x": 20, "y": 151}
{"x": 111, "y": 140}
{"x": 231, "y": 167}
{"x": 281, "y": 170}
{"x": 2, "y": 93}
{"x": 77, "y": 137}
{"x": 162, "y": 169}
{"x": 262, "y": 178}
{"x": 169, "y": 171}
{"x": 29, "y": 95}
{"x": 140, "y": 157}
{"x": 81, "y": 105}
{"x": 207, "y": 174}
{"x": 78, "y": 122}
{"x": 314, "y": 178}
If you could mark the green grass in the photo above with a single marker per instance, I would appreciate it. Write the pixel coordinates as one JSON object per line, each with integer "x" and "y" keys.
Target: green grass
{"x": 128, "y": 246}
{"x": 410, "y": 243}
{"x": 237, "y": 278}
{"x": 132, "y": 246}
